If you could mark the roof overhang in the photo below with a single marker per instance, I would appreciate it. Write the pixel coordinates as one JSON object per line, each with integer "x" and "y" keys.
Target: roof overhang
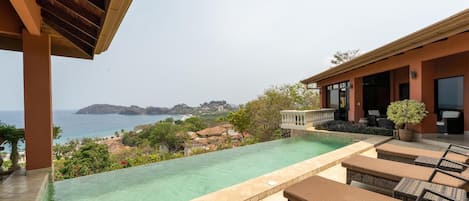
{"x": 78, "y": 28}
{"x": 441, "y": 30}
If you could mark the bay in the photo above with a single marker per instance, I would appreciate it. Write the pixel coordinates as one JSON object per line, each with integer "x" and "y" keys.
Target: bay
{"x": 78, "y": 126}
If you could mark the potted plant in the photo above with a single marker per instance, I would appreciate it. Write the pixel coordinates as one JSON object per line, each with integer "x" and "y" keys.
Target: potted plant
{"x": 406, "y": 112}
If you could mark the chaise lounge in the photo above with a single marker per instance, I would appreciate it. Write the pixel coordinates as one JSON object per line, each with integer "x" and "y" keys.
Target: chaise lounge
{"x": 387, "y": 174}
{"x": 317, "y": 188}
{"x": 408, "y": 154}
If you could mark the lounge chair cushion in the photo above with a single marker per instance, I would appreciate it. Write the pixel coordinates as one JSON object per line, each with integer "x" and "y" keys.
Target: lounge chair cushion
{"x": 395, "y": 171}
{"x": 413, "y": 153}
{"x": 317, "y": 188}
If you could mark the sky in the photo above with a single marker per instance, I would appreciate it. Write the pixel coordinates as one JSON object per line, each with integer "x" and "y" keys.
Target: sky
{"x": 168, "y": 52}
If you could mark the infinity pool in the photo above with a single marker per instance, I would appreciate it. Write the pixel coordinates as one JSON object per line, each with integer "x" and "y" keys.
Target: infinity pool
{"x": 191, "y": 177}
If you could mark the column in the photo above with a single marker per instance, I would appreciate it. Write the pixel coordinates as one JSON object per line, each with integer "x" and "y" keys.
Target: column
{"x": 421, "y": 88}
{"x": 37, "y": 100}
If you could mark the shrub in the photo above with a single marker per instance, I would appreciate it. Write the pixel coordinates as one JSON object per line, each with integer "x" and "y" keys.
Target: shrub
{"x": 406, "y": 112}
{"x": 345, "y": 126}
{"x": 91, "y": 158}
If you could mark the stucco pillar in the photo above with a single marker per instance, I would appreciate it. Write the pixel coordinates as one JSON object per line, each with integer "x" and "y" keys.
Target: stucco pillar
{"x": 421, "y": 89}
{"x": 356, "y": 99}
{"x": 323, "y": 96}
{"x": 37, "y": 100}
{"x": 415, "y": 83}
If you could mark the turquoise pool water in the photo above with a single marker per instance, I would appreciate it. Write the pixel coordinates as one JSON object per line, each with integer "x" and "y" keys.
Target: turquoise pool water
{"x": 191, "y": 177}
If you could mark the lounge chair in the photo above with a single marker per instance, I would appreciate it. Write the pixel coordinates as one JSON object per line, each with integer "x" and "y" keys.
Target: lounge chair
{"x": 317, "y": 188}
{"x": 452, "y": 122}
{"x": 408, "y": 154}
{"x": 387, "y": 174}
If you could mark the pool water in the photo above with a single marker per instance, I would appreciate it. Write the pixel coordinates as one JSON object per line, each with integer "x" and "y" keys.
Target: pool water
{"x": 192, "y": 177}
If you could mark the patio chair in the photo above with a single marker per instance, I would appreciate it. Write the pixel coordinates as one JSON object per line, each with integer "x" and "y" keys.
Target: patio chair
{"x": 385, "y": 123}
{"x": 317, "y": 188}
{"x": 409, "y": 154}
{"x": 387, "y": 174}
{"x": 373, "y": 115}
{"x": 451, "y": 122}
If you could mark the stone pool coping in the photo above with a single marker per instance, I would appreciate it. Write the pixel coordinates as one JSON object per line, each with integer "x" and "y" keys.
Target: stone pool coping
{"x": 268, "y": 184}
{"x": 25, "y": 186}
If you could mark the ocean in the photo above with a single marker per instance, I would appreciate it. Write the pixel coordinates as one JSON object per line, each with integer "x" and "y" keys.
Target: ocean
{"x": 78, "y": 126}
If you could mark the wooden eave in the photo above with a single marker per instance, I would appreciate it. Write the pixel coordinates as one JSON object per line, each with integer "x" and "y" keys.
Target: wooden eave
{"x": 441, "y": 30}
{"x": 78, "y": 28}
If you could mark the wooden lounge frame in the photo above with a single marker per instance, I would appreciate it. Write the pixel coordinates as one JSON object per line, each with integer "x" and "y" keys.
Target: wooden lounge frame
{"x": 389, "y": 179}
{"x": 408, "y": 155}
{"x": 317, "y": 188}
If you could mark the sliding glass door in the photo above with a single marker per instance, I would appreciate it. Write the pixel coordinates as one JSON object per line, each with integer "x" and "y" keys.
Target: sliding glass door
{"x": 338, "y": 98}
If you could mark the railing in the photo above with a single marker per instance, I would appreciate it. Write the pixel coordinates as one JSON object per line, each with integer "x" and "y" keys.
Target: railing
{"x": 303, "y": 119}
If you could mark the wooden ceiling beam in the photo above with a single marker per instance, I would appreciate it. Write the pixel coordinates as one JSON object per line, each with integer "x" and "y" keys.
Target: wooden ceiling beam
{"x": 84, "y": 9}
{"x": 70, "y": 17}
{"x": 58, "y": 25}
{"x": 30, "y": 14}
{"x": 72, "y": 29}
{"x": 101, "y": 4}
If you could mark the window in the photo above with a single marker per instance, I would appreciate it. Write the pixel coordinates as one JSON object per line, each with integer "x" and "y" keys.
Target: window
{"x": 337, "y": 95}
{"x": 450, "y": 93}
{"x": 334, "y": 98}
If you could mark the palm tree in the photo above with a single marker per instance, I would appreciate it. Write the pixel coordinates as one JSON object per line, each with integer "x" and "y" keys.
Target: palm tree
{"x": 11, "y": 135}
{"x": 1, "y": 149}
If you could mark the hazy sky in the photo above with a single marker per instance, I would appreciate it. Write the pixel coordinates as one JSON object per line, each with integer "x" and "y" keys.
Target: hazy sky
{"x": 190, "y": 51}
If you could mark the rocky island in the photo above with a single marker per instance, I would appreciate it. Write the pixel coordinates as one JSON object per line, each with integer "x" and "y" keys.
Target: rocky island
{"x": 211, "y": 107}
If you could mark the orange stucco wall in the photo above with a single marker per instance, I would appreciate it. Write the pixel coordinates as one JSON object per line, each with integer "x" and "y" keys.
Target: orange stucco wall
{"x": 421, "y": 87}
{"x": 398, "y": 77}
{"x": 37, "y": 100}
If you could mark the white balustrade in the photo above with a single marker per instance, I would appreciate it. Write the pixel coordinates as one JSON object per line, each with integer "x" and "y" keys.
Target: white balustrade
{"x": 303, "y": 119}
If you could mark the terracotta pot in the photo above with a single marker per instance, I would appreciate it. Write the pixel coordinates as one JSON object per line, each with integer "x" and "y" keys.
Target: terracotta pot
{"x": 406, "y": 135}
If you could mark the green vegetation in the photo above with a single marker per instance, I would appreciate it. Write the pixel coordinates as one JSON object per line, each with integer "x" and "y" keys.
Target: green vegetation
{"x": 12, "y": 136}
{"x": 194, "y": 124}
{"x": 406, "y": 112}
{"x": 76, "y": 158}
{"x": 166, "y": 133}
{"x": 90, "y": 158}
{"x": 350, "y": 127}
{"x": 261, "y": 117}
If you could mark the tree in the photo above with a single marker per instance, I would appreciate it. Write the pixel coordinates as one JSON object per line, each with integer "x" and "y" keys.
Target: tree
{"x": 169, "y": 120}
{"x": 11, "y": 135}
{"x": 169, "y": 135}
{"x": 194, "y": 124}
{"x": 302, "y": 98}
{"x": 239, "y": 119}
{"x": 341, "y": 57}
{"x": 91, "y": 158}
{"x": 265, "y": 113}
{"x": 57, "y": 131}
{"x": 261, "y": 117}
{"x": 64, "y": 150}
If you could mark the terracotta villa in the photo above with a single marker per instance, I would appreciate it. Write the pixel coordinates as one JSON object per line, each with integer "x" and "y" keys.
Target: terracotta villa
{"x": 430, "y": 65}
